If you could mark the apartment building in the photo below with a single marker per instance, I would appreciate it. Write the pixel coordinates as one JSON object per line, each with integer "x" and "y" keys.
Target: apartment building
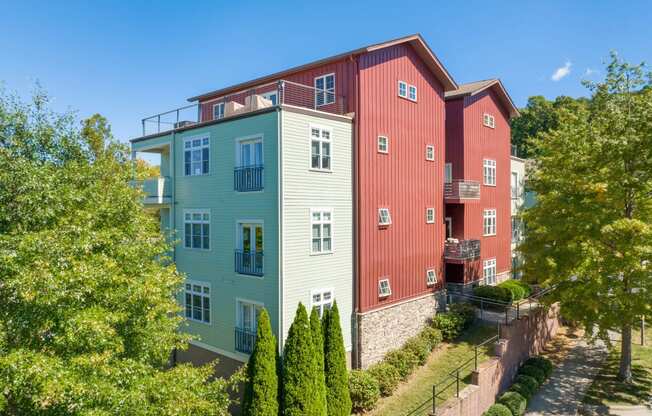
{"x": 319, "y": 183}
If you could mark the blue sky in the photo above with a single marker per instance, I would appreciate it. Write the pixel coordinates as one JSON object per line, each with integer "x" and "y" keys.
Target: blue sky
{"x": 131, "y": 59}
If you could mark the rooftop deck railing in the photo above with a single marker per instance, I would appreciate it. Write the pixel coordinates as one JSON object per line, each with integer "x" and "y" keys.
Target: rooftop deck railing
{"x": 272, "y": 94}
{"x": 462, "y": 189}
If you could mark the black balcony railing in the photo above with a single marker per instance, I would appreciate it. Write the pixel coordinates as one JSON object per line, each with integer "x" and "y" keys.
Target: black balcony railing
{"x": 249, "y": 262}
{"x": 244, "y": 340}
{"x": 248, "y": 178}
{"x": 462, "y": 250}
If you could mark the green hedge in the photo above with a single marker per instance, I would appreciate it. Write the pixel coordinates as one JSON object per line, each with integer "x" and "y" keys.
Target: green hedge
{"x": 364, "y": 390}
{"x": 420, "y": 347}
{"x": 514, "y": 402}
{"x": 536, "y": 372}
{"x": 498, "y": 410}
{"x": 521, "y": 389}
{"x": 496, "y": 293}
{"x": 466, "y": 311}
{"x": 432, "y": 335}
{"x": 519, "y": 289}
{"x": 387, "y": 377}
{"x": 530, "y": 383}
{"x": 542, "y": 363}
{"x": 404, "y": 361}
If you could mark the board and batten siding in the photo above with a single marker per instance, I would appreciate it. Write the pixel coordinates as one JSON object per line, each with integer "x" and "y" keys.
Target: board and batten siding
{"x": 302, "y": 190}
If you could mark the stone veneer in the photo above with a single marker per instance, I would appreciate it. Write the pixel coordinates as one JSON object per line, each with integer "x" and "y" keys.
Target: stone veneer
{"x": 383, "y": 330}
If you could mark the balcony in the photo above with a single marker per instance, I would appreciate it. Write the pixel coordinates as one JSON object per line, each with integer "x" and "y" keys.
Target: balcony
{"x": 460, "y": 190}
{"x": 461, "y": 251}
{"x": 248, "y": 179}
{"x": 249, "y": 262}
{"x": 157, "y": 190}
{"x": 245, "y": 340}
{"x": 278, "y": 93}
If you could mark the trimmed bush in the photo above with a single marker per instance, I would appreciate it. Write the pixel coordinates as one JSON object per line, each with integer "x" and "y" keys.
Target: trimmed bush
{"x": 521, "y": 389}
{"x": 496, "y": 293}
{"x": 529, "y": 382}
{"x": 261, "y": 388}
{"x": 517, "y": 290}
{"x": 542, "y": 363}
{"x": 338, "y": 400}
{"x": 318, "y": 343}
{"x": 450, "y": 324}
{"x": 404, "y": 361}
{"x": 364, "y": 391}
{"x": 420, "y": 347}
{"x": 387, "y": 377}
{"x": 497, "y": 410}
{"x": 514, "y": 402}
{"x": 432, "y": 335}
{"x": 466, "y": 311}
{"x": 532, "y": 371}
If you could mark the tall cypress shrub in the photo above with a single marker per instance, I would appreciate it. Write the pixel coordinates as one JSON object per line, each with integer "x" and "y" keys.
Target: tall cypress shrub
{"x": 318, "y": 342}
{"x": 261, "y": 390}
{"x": 299, "y": 365}
{"x": 338, "y": 399}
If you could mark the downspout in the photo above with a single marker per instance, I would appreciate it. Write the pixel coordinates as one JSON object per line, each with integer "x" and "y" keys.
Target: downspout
{"x": 356, "y": 205}
{"x": 173, "y": 226}
{"x": 279, "y": 172}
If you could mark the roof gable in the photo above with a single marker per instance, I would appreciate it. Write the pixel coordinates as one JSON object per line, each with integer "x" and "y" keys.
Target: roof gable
{"x": 474, "y": 88}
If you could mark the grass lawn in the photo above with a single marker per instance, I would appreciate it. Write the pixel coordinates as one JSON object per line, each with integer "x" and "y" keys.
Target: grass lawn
{"x": 413, "y": 397}
{"x": 606, "y": 389}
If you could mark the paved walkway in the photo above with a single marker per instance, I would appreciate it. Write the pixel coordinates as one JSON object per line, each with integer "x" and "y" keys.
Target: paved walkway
{"x": 562, "y": 394}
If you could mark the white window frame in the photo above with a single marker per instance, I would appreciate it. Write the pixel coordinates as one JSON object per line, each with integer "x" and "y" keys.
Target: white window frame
{"x": 489, "y": 222}
{"x": 411, "y": 89}
{"x": 220, "y": 114}
{"x": 489, "y": 271}
{"x": 256, "y": 306}
{"x": 267, "y": 95}
{"x": 448, "y": 173}
{"x": 328, "y": 93}
{"x": 489, "y": 120}
{"x": 384, "y": 220}
{"x": 514, "y": 185}
{"x": 321, "y": 222}
{"x": 321, "y": 304}
{"x": 430, "y": 215}
{"x": 383, "y": 144}
{"x": 404, "y": 85}
{"x": 489, "y": 172}
{"x": 431, "y": 277}
{"x": 321, "y": 140}
{"x": 204, "y": 292}
{"x": 205, "y": 219}
{"x": 382, "y": 293}
{"x": 256, "y": 138}
{"x": 430, "y": 152}
{"x": 190, "y": 146}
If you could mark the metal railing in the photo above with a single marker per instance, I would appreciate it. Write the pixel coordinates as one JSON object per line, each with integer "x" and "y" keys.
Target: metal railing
{"x": 268, "y": 95}
{"x": 245, "y": 340}
{"x": 462, "y": 189}
{"x": 248, "y": 178}
{"x": 249, "y": 262}
{"x": 462, "y": 250}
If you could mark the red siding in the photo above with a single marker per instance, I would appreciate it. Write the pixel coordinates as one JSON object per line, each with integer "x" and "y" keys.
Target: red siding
{"x": 402, "y": 180}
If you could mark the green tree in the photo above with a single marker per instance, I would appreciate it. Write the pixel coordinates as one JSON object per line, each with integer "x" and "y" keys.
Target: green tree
{"x": 591, "y": 229}
{"x": 318, "y": 342}
{"x": 299, "y": 365}
{"x": 338, "y": 399}
{"x": 88, "y": 316}
{"x": 261, "y": 390}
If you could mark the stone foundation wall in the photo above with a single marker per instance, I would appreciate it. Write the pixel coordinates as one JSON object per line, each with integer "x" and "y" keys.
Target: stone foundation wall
{"x": 382, "y": 330}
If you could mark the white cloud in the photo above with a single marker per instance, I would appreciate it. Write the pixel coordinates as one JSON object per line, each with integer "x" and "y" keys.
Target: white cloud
{"x": 562, "y": 72}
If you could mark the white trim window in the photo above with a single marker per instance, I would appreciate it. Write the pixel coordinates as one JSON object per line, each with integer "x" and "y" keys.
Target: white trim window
{"x": 431, "y": 277}
{"x": 321, "y": 229}
{"x": 197, "y": 301}
{"x": 196, "y": 154}
{"x": 489, "y": 121}
{"x": 384, "y": 289}
{"x": 246, "y": 315}
{"x": 514, "y": 185}
{"x": 320, "y": 148}
{"x": 430, "y": 152}
{"x": 384, "y": 217}
{"x": 489, "y": 172}
{"x": 196, "y": 224}
{"x": 402, "y": 89}
{"x": 489, "y": 222}
{"x": 448, "y": 173}
{"x": 430, "y": 215}
{"x": 489, "y": 271}
{"x": 383, "y": 144}
{"x": 412, "y": 93}
{"x": 218, "y": 111}
{"x": 322, "y": 299}
{"x": 324, "y": 90}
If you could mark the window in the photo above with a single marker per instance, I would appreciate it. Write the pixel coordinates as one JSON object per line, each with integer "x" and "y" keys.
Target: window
{"x": 516, "y": 229}
{"x": 196, "y": 229}
{"x": 218, "y": 111}
{"x": 489, "y": 271}
{"x": 430, "y": 215}
{"x": 247, "y": 315}
{"x": 402, "y": 89}
{"x": 488, "y": 120}
{"x": 383, "y": 144}
{"x": 196, "y": 153}
{"x": 489, "y": 172}
{"x": 448, "y": 173}
{"x": 384, "y": 289}
{"x": 249, "y": 253}
{"x": 321, "y": 299}
{"x": 489, "y": 224}
{"x": 412, "y": 93}
{"x": 271, "y": 96}
{"x": 198, "y": 303}
{"x": 431, "y": 277}
{"x": 250, "y": 153}
{"x": 430, "y": 152}
{"x": 514, "y": 185}
{"x": 384, "y": 218}
{"x": 321, "y": 222}
{"x": 320, "y": 149}
{"x": 325, "y": 90}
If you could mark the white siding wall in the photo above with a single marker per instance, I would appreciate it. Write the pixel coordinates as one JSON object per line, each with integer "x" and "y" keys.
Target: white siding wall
{"x": 518, "y": 165}
{"x": 303, "y": 189}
